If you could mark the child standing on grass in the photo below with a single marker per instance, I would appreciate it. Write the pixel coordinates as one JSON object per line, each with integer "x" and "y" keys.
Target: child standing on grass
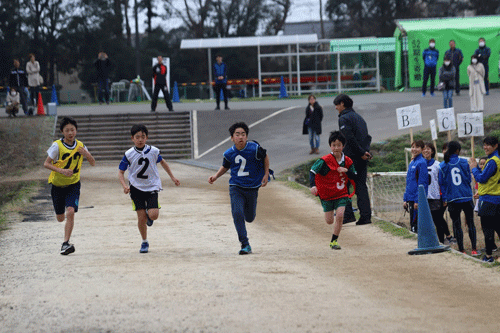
{"x": 455, "y": 182}
{"x": 416, "y": 175}
{"x": 249, "y": 165}
{"x": 328, "y": 180}
{"x": 144, "y": 180}
{"x": 489, "y": 193}
{"x": 65, "y": 157}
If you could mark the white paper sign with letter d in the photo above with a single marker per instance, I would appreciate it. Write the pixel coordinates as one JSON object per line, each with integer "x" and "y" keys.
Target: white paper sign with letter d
{"x": 433, "y": 129}
{"x": 409, "y": 116}
{"x": 446, "y": 119}
{"x": 470, "y": 124}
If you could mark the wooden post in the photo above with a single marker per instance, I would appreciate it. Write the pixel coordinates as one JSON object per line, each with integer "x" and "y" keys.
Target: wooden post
{"x": 472, "y": 146}
{"x": 449, "y": 136}
{"x": 435, "y": 147}
{"x": 411, "y": 136}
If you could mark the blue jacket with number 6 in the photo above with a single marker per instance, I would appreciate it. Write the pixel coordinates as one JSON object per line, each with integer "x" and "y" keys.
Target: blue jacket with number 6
{"x": 455, "y": 180}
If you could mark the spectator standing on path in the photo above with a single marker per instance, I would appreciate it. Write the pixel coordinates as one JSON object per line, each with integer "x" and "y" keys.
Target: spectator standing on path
{"x": 483, "y": 56}
{"x": 34, "y": 78}
{"x": 475, "y": 71}
{"x": 19, "y": 81}
{"x": 312, "y": 124}
{"x": 220, "y": 74}
{"x": 456, "y": 57}
{"x": 430, "y": 56}
{"x": 447, "y": 74}
{"x": 160, "y": 78}
{"x": 103, "y": 66}
{"x": 357, "y": 148}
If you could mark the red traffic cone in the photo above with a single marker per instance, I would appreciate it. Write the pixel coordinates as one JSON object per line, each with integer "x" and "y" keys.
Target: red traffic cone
{"x": 40, "y": 110}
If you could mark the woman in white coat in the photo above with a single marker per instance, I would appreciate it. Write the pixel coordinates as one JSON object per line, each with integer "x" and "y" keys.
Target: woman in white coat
{"x": 34, "y": 77}
{"x": 475, "y": 71}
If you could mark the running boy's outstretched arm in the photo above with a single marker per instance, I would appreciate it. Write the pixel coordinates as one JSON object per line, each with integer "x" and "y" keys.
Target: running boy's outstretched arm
{"x": 121, "y": 177}
{"x": 222, "y": 170}
{"x": 167, "y": 169}
{"x": 48, "y": 164}
{"x": 265, "y": 179}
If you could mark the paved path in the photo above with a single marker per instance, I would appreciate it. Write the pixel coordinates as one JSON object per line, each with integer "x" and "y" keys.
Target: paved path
{"x": 282, "y": 134}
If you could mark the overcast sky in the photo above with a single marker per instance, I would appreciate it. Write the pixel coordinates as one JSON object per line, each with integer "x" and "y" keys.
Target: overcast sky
{"x": 302, "y": 10}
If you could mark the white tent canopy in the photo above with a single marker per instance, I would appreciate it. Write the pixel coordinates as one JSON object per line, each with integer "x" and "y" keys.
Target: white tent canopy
{"x": 209, "y": 43}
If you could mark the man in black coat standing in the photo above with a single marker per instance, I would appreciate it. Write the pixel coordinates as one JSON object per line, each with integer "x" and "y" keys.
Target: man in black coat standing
{"x": 103, "y": 67}
{"x": 357, "y": 147}
{"x": 160, "y": 78}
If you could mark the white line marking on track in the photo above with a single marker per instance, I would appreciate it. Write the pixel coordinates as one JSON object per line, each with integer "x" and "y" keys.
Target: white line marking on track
{"x": 249, "y": 126}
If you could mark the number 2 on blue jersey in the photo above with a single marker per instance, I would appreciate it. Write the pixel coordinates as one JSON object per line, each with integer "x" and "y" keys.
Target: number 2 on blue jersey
{"x": 241, "y": 170}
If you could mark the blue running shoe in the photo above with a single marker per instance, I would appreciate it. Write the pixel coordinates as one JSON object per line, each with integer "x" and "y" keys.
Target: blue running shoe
{"x": 144, "y": 247}
{"x": 488, "y": 259}
{"x": 246, "y": 249}
{"x": 432, "y": 94}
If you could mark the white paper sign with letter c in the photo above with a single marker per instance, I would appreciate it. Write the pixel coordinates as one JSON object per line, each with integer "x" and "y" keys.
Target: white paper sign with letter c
{"x": 409, "y": 116}
{"x": 470, "y": 124}
{"x": 433, "y": 129}
{"x": 446, "y": 119}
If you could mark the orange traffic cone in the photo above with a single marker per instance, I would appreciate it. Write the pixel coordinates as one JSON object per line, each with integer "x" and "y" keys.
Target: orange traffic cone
{"x": 40, "y": 110}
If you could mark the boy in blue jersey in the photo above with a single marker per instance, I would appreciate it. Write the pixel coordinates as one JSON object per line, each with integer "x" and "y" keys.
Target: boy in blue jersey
{"x": 249, "y": 166}
{"x": 144, "y": 180}
{"x": 430, "y": 57}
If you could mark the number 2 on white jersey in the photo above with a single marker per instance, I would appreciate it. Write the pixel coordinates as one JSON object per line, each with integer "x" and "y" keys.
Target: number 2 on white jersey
{"x": 241, "y": 170}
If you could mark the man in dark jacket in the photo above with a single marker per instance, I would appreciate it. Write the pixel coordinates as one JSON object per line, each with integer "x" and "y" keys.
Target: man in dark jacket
{"x": 483, "y": 56}
{"x": 220, "y": 74}
{"x": 103, "y": 67}
{"x": 456, "y": 57}
{"x": 353, "y": 128}
{"x": 160, "y": 78}
{"x": 19, "y": 80}
{"x": 430, "y": 56}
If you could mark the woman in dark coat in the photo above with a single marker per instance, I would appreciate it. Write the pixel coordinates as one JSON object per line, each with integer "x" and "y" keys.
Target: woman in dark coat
{"x": 312, "y": 123}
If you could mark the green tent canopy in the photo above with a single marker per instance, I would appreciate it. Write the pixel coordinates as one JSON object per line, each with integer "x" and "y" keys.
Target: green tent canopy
{"x": 466, "y": 32}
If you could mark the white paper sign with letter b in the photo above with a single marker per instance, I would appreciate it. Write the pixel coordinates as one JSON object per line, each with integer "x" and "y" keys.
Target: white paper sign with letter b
{"x": 433, "y": 129}
{"x": 470, "y": 124}
{"x": 409, "y": 116}
{"x": 446, "y": 119}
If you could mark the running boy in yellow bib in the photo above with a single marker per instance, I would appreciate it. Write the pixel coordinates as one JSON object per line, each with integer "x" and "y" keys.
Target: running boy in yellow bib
{"x": 64, "y": 159}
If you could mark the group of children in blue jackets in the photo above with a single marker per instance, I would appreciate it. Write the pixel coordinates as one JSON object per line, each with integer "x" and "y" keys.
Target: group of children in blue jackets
{"x": 448, "y": 186}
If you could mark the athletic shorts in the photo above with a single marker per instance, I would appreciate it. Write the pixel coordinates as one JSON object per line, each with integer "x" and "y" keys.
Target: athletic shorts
{"x": 143, "y": 200}
{"x": 329, "y": 205}
{"x": 67, "y": 196}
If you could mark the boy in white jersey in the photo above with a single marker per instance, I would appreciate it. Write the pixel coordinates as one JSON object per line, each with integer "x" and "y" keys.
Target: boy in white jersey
{"x": 64, "y": 159}
{"x": 144, "y": 180}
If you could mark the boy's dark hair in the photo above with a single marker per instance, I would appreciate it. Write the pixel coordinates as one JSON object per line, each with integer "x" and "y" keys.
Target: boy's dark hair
{"x": 483, "y": 158}
{"x": 491, "y": 140}
{"x": 218, "y": 55}
{"x": 418, "y": 143}
{"x": 334, "y": 136}
{"x": 138, "y": 128}
{"x": 447, "y": 57}
{"x": 454, "y": 147}
{"x": 432, "y": 40}
{"x": 431, "y": 146}
{"x": 238, "y": 125}
{"x": 67, "y": 120}
{"x": 343, "y": 98}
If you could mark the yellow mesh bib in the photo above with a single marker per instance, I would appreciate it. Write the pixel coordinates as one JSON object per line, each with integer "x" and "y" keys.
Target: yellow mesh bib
{"x": 68, "y": 159}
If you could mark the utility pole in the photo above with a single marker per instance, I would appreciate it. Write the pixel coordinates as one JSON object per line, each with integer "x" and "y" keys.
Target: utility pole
{"x": 137, "y": 40}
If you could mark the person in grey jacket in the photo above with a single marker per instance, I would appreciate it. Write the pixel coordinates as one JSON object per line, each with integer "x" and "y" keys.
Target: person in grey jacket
{"x": 312, "y": 124}
{"x": 357, "y": 147}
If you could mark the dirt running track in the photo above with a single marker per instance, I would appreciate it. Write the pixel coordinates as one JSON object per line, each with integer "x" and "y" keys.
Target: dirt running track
{"x": 193, "y": 280}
